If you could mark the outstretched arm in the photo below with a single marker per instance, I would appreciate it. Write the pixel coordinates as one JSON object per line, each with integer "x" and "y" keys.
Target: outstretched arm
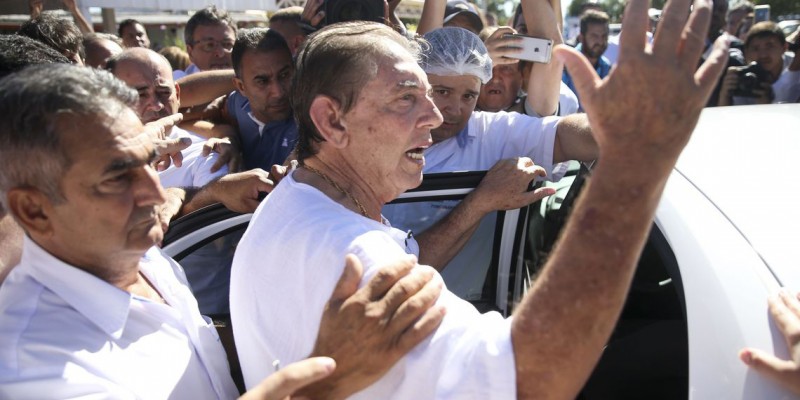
{"x": 77, "y": 15}
{"x": 432, "y": 16}
{"x": 567, "y": 317}
{"x": 543, "y": 19}
{"x": 505, "y": 187}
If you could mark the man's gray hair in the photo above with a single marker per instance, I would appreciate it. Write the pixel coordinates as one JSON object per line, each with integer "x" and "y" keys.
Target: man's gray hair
{"x": 338, "y": 61}
{"x": 33, "y": 102}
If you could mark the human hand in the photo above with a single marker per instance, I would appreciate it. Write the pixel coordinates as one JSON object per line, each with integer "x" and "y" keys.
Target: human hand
{"x": 161, "y": 128}
{"x": 168, "y": 151}
{"x": 764, "y": 94}
{"x": 505, "y": 186}
{"x": 229, "y": 154}
{"x": 368, "y": 330}
{"x": 313, "y": 14}
{"x": 36, "y": 7}
{"x": 501, "y": 46}
{"x": 284, "y": 383}
{"x": 239, "y": 192}
{"x": 729, "y": 84}
{"x": 785, "y": 311}
{"x": 667, "y": 107}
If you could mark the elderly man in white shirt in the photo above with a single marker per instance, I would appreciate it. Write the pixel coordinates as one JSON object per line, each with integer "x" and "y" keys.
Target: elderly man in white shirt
{"x": 95, "y": 310}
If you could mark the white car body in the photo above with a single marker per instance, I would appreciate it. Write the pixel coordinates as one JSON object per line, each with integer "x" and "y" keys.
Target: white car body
{"x": 731, "y": 213}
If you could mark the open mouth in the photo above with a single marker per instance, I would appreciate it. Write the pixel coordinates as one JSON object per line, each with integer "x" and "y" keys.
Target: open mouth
{"x": 417, "y": 154}
{"x": 495, "y": 91}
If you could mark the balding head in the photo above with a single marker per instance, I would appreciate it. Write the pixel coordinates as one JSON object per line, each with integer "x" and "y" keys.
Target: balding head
{"x": 151, "y": 75}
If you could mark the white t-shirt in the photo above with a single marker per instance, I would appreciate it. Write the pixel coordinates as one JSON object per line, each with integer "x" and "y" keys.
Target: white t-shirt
{"x": 195, "y": 171}
{"x": 65, "y": 333}
{"x": 787, "y": 87}
{"x": 489, "y": 138}
{"x": 285, "y": 269}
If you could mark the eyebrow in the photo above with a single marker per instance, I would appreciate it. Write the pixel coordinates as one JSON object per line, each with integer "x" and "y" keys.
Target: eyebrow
{"x": 122, "y": 164}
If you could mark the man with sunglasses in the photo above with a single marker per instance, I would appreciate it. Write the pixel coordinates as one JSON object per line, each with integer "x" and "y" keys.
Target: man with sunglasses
{"x": 209, "y": 35}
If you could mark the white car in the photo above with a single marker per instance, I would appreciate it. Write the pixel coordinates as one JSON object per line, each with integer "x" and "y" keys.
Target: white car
{"x": 726, "y": 235}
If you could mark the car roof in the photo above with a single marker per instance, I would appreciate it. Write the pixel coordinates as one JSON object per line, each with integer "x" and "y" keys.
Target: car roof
{"x": 743, "y": 160}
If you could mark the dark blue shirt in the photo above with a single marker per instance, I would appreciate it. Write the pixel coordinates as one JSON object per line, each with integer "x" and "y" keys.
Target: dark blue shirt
{"x": 261, "y": 149}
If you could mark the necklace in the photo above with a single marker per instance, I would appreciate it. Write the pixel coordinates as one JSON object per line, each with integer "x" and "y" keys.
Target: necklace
{"x": 337, "y": 187}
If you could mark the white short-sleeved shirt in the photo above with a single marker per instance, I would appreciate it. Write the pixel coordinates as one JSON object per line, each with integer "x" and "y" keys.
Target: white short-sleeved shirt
{"x": 64, "y": 333}
{"x": 490, "y": 137}
{"x": 195, "y": 171}
{"x": 285, "y": 269}
{"x": 487, "y": 139}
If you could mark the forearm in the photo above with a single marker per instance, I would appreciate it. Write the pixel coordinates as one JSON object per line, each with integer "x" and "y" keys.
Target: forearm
{"x": 432, "y": 16}
{"x": 442, "y": 241}
{"x": 80, "y": 21}
{"x": 203, "y": 87}
{"x": 574, "y": 140}
{"x": 544, "y": 84}
{"x": 209, "y": 129}
{"x": 569, "y": 314}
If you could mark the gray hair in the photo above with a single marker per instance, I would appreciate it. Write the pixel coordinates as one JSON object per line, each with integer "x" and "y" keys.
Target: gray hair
{"x": 338, "y": 61}
{"x": 32, "y": 102}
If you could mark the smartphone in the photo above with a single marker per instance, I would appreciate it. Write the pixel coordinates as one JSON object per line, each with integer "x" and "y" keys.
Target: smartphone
{"x": 533, "y": 49}
{"x": 761, "y": 13}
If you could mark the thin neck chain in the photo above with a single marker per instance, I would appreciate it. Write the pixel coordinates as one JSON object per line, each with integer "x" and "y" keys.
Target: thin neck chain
{"x": 336, "y": 186}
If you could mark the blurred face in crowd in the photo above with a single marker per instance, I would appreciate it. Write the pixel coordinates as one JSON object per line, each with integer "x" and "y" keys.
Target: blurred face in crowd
{"x": 151, "y": 76}
{"x": 135, "y": 35}
{"x": 455, "y": 97}
{"x": 501, "y": 91}
{"x": 595, "y": 40}
{"x": 211, "y": 47}
{"x": 99, "y": 52}
{"x": 266, "y": 78}
{"x": 389, "y": 126}
{"x": 767, "y": 51}
{"x": 110, "y": 191}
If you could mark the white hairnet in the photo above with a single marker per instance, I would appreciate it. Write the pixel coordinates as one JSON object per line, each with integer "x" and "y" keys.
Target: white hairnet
{"x": 456, "y": 51}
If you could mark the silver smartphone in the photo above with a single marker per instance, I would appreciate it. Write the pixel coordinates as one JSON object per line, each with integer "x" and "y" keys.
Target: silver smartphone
{"x": 533, "y": 49}
{"x": 761, "y": 13}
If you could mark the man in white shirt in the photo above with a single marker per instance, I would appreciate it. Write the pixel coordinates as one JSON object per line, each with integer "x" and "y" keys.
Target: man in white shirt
{"x": 94, "y": 309}
{"x": 149, "y": 73}
{"x": 363, "y": 141}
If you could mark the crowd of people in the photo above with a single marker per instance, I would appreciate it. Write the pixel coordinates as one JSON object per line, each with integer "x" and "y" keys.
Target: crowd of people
{"x": 105, "y": 141}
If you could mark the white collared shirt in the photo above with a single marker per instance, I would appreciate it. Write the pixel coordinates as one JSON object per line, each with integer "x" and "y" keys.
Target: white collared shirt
{"x": 65, "y": 333}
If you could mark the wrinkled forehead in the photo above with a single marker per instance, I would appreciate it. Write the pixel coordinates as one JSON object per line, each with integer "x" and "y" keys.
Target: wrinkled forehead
{"x": 137, "y": 73}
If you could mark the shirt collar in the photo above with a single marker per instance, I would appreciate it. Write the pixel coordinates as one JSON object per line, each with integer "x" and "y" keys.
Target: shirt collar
{"x": 100, "y": 302}
{"x": 464, "y": 136}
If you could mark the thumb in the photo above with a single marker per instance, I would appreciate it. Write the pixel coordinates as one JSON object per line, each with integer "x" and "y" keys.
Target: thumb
{"x": 348, "y": 282}
{"x": 772, "y": 367}
{"x": 285, "y": 382}
{"x": 584, "y": 77}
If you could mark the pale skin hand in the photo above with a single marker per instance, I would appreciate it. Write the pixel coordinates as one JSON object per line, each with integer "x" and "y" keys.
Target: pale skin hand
{"x": 505, "y": 187}
{"x": 785, "y": 311}
{"x": 229, "y": 153}
{"x": 563, "y": 323}
{"x": 501, "y": 47}
{"x": 368, "y": 330}
{"x": 313, "y": 12}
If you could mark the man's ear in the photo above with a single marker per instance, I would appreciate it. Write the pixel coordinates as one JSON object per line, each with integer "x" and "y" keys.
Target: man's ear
{"x": 28, "y": 206}
{"x": 178, "y": 92}
{"x": 580, "y": 38}
{"x": 326, "y": 114}
{"x": 239, "y": 85}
